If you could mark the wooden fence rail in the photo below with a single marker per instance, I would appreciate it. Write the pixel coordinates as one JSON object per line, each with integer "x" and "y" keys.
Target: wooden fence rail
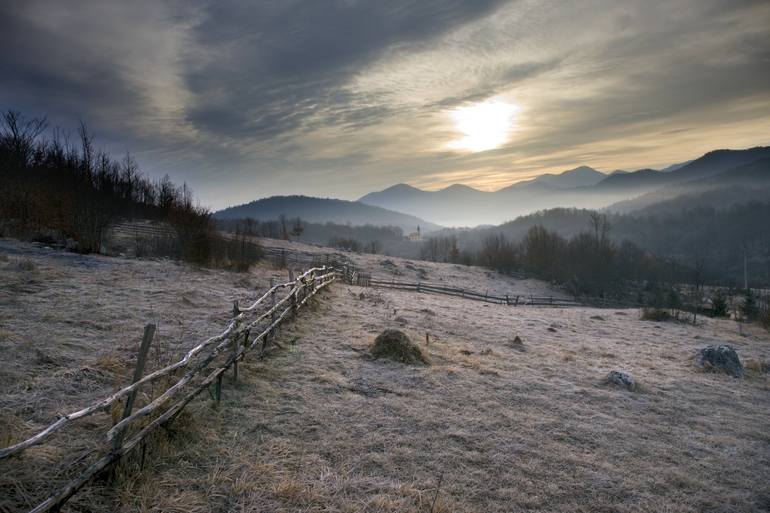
{"x": 508, "y": 299}
{"x": 235, "y": 341}
{"x": 352, "y": 274}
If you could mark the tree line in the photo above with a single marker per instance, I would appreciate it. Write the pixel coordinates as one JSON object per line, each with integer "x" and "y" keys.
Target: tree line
{"x": 360, "y": 239}
{"x": 587, "y": 263}
{"x": 722, "y": 243}
{"x": 56, "y": 186}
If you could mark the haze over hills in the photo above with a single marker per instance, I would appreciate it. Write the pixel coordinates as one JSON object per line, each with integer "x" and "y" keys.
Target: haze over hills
{"x": 322, "y": 210}
{"x": 747, "y": 182}
{"x": 579, "y": 177}
{"x": 460, "y": 205}
{"x": 582, "y": 187}
{"x": 718, "y": 178}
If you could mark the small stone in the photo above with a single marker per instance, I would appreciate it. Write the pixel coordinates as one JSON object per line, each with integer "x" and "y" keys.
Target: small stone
{"x": 620, "y": 379}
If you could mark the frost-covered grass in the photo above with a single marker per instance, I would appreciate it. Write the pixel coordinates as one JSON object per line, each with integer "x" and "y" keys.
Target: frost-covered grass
{"x": 472, "y": 278}
{"x": 321, "y": 426}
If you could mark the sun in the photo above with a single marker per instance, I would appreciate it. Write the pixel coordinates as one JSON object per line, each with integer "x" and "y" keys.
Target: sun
{"x": 485, "y": 126}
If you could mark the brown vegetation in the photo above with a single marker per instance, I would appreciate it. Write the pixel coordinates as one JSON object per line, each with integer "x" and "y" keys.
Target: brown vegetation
{"x": 320, "y": 426}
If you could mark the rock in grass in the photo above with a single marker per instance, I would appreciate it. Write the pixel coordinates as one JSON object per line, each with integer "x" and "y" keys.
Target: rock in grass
{"x": 720, "y": 358}
{"x": 620, "y": 379}
{"x": 395, "y": 345}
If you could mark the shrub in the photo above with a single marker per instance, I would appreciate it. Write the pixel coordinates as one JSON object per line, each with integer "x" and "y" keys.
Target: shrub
{"x": 719, "y": 307}
{"x": 239, "y": 253}
{"x": 749, "y": 307}
{"x": 395, "y": 345}
{"x": 765, "y": 319}
{"x": 655, "y": 314}
{"x": 674, "y": 300}
{"x": 26, "y": 265}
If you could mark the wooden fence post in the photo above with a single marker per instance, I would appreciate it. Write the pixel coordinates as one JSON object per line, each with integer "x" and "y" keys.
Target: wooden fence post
{"x": 236, "y": 313}
{"x": 141, "y": 359}
{"x": 218, "y": 389}
{"x": 272, "y": 318}
{"x": 245, "y": 342}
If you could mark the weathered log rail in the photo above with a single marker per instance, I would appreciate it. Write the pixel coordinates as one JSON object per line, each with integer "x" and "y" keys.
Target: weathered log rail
{"x": 234, "y": 343}
{"x": 507, "y": 299}
{"x": 354, "y": 275}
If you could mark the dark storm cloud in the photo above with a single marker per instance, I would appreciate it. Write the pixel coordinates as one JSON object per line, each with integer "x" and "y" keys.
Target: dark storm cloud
{"x": 275, "y": 64}
{"x": 45, "y": 66}
{"x": 349, "y": 96}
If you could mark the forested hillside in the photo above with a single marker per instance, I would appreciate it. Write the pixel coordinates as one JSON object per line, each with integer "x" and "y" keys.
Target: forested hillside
{"x": 69, "y": 193}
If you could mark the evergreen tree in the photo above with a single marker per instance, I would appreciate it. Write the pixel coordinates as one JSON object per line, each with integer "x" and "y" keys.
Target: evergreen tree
{"x": 719, "y": 306}
{"x": 749, "y": 307}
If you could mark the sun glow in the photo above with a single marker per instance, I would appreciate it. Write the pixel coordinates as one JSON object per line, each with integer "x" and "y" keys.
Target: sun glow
{"x": 485, "y": 126}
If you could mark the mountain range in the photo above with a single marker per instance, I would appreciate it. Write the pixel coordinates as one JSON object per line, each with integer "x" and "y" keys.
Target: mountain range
{"x": 719, "y": 178}
{"x": 323, "y": 210}
{"x": 583, "y": 187}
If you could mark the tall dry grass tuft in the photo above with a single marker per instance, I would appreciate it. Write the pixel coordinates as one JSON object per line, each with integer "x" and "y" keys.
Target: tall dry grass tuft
{"x": 26, "y": 265}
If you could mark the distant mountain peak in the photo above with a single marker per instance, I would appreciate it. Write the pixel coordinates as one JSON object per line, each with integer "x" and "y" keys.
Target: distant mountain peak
{"x": 580, "y": 169}
{"x": 580, "y": 176}
{"x": 321, "y": 210}
{"x": 458, "y": 187}
{"x": 401, "y": 187}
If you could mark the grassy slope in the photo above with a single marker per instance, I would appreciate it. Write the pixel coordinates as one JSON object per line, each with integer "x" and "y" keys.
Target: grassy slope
{"x": 321, "y": 427}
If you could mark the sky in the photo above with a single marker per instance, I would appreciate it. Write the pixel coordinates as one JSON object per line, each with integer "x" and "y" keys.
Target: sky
{"x": 245, "y": 99}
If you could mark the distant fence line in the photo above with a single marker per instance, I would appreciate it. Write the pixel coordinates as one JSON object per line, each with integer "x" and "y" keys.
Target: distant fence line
{"x": 353, "y": 275}
{"x": 234, "y": 343}
{"x": 507, "y": 299}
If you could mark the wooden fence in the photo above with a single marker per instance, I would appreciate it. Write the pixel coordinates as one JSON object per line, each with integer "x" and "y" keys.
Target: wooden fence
{"x": 507, "y": 299}
{"x": 352, "y": 274}
{"x": 282, "y": 257}
{"x": 261, "y": 317}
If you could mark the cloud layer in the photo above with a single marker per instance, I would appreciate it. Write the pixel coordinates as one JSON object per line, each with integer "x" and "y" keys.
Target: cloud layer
{"x": 245, "y": 99}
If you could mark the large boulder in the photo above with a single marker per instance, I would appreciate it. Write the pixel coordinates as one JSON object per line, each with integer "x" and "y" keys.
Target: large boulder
{"x": 720, "y": 358}
{"x": 395, "y": 345}
{"x": 620, "y": 379}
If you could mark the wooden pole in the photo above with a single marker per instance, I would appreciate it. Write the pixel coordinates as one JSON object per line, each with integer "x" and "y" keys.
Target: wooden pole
{"x": 236, "y": 313}
{"x": 141, "y": 359}
{"x": 218, "y": 389}
{"x": 266, "y": 340}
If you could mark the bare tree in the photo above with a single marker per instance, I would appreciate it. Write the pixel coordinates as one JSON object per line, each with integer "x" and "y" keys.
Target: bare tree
{"x": 19, "y": 134}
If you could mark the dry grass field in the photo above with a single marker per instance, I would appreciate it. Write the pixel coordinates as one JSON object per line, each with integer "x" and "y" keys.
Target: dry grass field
{"x": 320, "y": 426}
